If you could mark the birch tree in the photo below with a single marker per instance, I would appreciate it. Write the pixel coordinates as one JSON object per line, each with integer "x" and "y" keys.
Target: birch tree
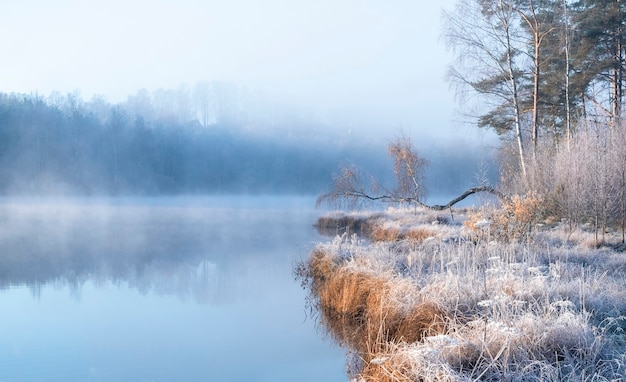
{"x": 546, "y": 88}
{"x": 487, "y": 41}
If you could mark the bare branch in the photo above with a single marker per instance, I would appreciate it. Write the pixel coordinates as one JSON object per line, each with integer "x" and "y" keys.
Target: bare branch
{"x": 349, "y": 188}
{"x": 471, "y": 191}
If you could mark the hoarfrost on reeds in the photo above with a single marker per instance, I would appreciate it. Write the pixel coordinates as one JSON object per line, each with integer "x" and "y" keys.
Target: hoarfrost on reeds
{"x": 452, "y": 309}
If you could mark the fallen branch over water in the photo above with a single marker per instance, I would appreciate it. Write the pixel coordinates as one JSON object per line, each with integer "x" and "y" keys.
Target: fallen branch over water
{"x": 471, "y": 191}
{"x": 352, "y": 195}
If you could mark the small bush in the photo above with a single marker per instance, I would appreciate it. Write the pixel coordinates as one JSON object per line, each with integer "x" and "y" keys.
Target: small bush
{"x": 514, "y": 221}
{"x": 518, "y": 216}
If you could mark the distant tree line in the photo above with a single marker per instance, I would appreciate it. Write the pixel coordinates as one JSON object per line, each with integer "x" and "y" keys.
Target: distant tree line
{"x": 65, "y": 145}
{"x": 207, "y": 139}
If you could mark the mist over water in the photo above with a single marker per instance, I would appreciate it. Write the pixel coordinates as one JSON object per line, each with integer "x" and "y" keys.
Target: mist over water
{"x": 158, "y": 289}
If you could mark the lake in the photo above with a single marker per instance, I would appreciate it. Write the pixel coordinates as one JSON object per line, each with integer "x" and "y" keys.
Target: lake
{"x": 164, "y": 289}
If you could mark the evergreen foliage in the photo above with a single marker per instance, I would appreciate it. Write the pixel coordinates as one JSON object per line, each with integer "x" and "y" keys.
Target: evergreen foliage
{"x": 565, "y": 56}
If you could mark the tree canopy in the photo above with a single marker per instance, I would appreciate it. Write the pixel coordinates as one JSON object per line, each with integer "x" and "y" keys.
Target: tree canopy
{"x": 547, "y": 62}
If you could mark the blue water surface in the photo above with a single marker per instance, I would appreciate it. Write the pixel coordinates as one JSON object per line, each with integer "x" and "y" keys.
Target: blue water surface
{"x": 177, "y": 289}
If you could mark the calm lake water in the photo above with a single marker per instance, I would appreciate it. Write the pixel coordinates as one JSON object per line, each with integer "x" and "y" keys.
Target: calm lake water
{"x": 197, "y": 289}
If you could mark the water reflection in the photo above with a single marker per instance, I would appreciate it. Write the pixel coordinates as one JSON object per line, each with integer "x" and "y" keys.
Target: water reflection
{"x": 193, "y": 251}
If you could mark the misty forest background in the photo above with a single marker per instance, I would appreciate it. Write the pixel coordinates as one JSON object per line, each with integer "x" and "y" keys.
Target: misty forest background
{"x": 546, "y": 76}
{"x": 212, "y": 137}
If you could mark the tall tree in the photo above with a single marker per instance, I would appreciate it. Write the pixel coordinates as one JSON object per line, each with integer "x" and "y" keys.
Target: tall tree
{"x": 538, "y": 20}
{"x": 488, "y": 40}
{"x": 599, "y": 48}
{"x": 566, "y": 45}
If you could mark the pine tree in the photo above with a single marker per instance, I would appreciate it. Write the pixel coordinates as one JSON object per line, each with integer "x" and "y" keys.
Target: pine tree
{"x": 599, "y": 52}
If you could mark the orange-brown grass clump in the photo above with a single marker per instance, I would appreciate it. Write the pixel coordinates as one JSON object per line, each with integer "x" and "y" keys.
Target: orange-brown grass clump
{"x": 361, "y": 310}
{"x": 419, "y": 234}
{"x": 382, "y": 232}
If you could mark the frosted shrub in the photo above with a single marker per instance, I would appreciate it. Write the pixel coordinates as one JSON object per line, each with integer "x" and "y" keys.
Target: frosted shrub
{"x": 514, "y": 221}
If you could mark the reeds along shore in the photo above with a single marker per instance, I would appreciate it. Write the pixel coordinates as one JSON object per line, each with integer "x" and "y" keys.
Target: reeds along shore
{"x": 452, "y": 305}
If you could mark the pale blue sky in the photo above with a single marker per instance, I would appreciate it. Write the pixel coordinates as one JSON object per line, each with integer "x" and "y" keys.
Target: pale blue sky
{"x": 379, "y": 57}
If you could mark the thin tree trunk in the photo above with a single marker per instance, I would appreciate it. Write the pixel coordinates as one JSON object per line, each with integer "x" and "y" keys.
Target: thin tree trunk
{"x": 623, "y": 201}
{"x": 568, "y": 130}
{"x": 614, "y": 96}
{"x": 535, "y": 134}
{"x": 513, "y": 84}
{"x": 618, "y": 76}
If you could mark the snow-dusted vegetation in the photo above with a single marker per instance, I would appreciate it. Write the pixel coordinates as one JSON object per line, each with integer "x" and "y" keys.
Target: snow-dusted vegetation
{"x": 459, "y": 303}
{"x": 532, "y": 288}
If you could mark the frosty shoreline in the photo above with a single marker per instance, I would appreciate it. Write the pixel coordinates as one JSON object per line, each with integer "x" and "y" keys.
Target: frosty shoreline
{"x": 417, "y": 295}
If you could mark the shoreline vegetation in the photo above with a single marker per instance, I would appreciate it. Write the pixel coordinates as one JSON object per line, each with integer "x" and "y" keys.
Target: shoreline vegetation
{"x": 530, "y": 288}
{"x": 482, "y": 294}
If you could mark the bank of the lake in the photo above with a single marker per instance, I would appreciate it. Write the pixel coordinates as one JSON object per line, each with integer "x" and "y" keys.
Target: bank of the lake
{"x": 415, "y": 295}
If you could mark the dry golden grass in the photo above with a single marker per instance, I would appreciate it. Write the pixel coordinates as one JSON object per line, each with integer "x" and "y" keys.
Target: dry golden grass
{"x": 382, "y": 233}
{"x": 415, "y": 234}
{"x": 419, "y": 234}
{"x": 404, "y": 362}
{"x": 361, "y": 310}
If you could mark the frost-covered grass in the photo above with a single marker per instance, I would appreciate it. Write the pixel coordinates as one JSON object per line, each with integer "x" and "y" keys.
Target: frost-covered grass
{"x": 548, "y": 309}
